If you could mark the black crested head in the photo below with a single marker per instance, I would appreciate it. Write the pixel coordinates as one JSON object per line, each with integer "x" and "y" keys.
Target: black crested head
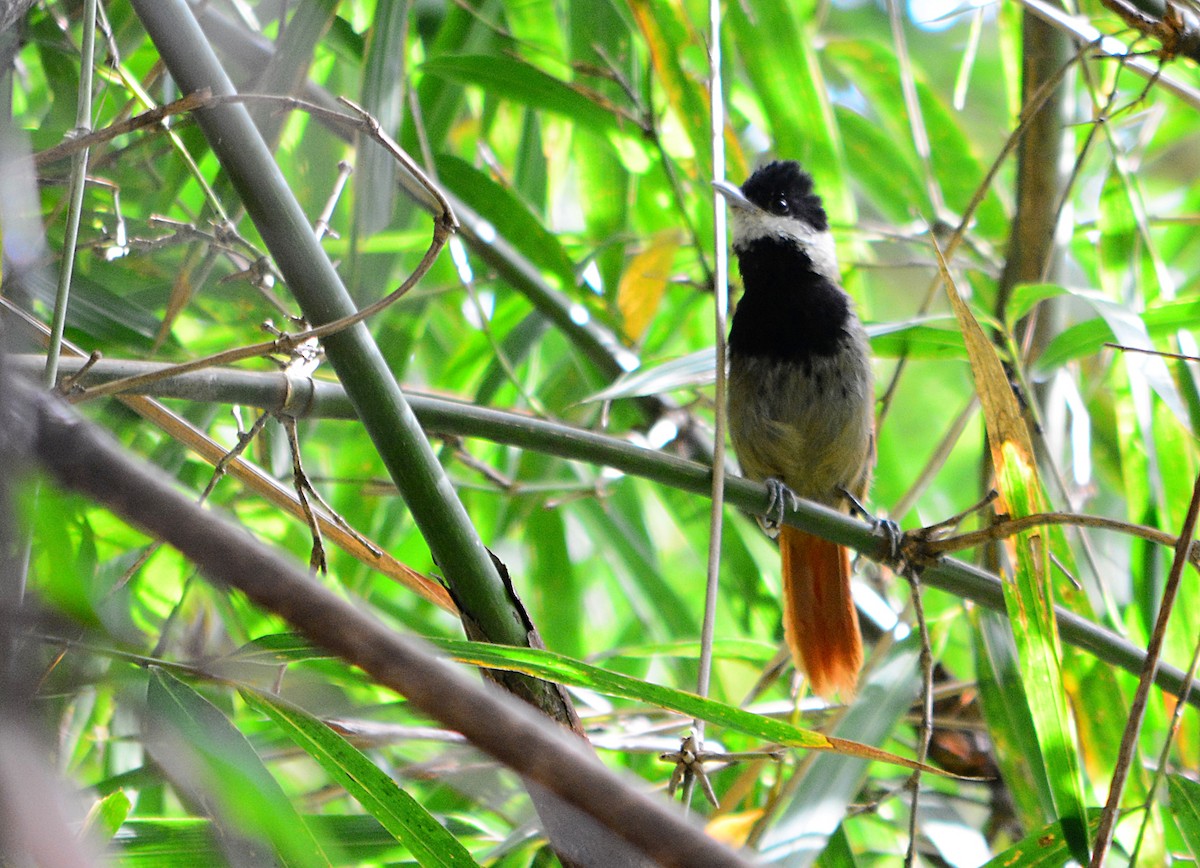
{"x": 784, "y": 189}
{"x": 793, "y": 308}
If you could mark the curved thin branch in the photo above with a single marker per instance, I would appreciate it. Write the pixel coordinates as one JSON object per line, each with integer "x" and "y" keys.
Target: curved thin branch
{"x": 445, "y": 223}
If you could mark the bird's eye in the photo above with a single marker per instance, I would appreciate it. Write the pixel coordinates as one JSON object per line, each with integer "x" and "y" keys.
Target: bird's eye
{"x": 779, "y": 205}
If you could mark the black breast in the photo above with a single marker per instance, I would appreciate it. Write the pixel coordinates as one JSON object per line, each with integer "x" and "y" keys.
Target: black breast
{"x": 788, "y": 312}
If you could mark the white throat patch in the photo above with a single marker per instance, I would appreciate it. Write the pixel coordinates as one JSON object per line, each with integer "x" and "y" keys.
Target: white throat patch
{"x": 755, "y": 225}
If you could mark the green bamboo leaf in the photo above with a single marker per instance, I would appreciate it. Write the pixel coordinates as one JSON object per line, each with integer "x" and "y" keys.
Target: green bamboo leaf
{"x": 1025, "y": 297}
{"x": 537, "y": 25}
{"x": 1185, "y": 809}
{"x": 555, "y": 667}
{"x": 1029, "y": 599}
{"x": 605, "y": 181}
{"x": 191, "y": 842}
{"x": 525, "y": 84}
{"x": 837, "y": 852}
{"x": 785, "y": 74}
{"x": 558, "y": 596}
{"x": 885, "y": 170}
{"x": 382, "y": 94}
{"x": 1117, "y": 323}
{"x": 98, "y": 311}
{"x": 511, "y": 218}
{"x": 278, "y": 648}
{"x": 1118, "y": 247}
{"x": 916, "y": 339}
{"x": 1028, "y": 591}
{"x": 1006, "y": 710}
{"x": 757, "y": 653}
{"x": 874, "y": 69}
{"x": 397, "y": 811}
{"x": 106, "y": 816}
{"x": 687, "y": 372}
{"x": 1130, "y": 328}
{"x": 1048, "y": 847}
{"x": 185, "y": 727}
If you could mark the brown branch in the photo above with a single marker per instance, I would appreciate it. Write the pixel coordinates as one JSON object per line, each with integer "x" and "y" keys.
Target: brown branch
{"x": 64, "y": 150}
{"x": 1183, "y": 357}
{"x": 1176, "y": 33}
{"x": 920, "y": 546}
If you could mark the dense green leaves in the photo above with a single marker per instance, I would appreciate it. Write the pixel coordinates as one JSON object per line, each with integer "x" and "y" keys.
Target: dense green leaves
{"x": 575, "y": 136}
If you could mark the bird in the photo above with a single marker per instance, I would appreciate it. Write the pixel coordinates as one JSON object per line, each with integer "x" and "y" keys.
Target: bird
{"x": 801, "y": 404}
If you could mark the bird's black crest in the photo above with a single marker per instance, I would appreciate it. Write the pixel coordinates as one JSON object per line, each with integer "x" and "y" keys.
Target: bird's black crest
{"x": 784, "y": 189}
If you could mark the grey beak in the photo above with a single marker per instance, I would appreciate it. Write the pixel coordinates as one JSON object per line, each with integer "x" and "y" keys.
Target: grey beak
{"x": 734, "y": 196}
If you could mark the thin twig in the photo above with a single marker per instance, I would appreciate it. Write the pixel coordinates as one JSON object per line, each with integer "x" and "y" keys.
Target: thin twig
{"x": 1108, "y": 818}
{"x": 918, "y": 546}
{"x": 316, "y": 560}
{"x": 150, "y": 118}
{"x": 1150, "y": 351}
{"x": 720, "y": 315}
{"x": 321, "y": 227}
{"x": 925, "y": 730}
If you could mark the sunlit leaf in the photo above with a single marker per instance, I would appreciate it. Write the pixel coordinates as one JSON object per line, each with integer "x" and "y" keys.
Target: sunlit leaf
{"x": 105, "y": 817}
{"x": 1028, "y": 591}
{"x": 645, "y": 280}
{"x": 510, "y": 217}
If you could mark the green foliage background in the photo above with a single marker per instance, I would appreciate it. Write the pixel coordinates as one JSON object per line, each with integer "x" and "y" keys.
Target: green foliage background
{"x": 576, "y": 131}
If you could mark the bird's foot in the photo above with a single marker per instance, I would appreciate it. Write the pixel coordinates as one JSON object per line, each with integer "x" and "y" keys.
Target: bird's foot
{"x": 780, "y": 497}
{"x": 891, "y": 531}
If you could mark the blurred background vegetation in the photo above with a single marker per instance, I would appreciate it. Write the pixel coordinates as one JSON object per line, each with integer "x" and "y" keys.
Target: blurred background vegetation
{"x": 572, "y": 136}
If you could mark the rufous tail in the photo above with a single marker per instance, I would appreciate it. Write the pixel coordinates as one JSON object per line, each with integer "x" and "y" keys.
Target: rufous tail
{"x": 820, "y": 622}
